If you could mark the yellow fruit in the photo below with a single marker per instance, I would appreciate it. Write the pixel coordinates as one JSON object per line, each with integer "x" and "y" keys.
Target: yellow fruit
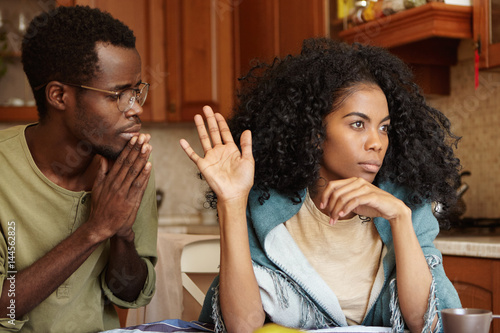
{"x": 274, "y": 328}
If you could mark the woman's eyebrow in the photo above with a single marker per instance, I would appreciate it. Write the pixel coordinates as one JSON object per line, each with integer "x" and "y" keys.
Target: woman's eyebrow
{"x": 364, "y": 116}
{"x": 359, "y": 114}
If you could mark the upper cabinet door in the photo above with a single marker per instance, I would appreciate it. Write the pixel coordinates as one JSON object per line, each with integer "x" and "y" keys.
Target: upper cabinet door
{"x": 200, "y": 56}
{"x": 486, "y": 22}
{"x": 270, "y": 28}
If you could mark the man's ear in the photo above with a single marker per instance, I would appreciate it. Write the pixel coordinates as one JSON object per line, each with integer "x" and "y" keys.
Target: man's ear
{"x": 56, "y": 95}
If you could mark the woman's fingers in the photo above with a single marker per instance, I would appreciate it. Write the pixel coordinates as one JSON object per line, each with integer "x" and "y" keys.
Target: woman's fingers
{"x": 335, "y": 189}
{"x": 213, "y": 126}
{"x": 342, "y": 197}
{"x": 217, "y": 129}
{"x": 246, "y": 144}
{"x": 223, "y": 129}
{"x": 206, "y": 144}
{"x": 218, "y": 134}
{"x": 189, "y": 151}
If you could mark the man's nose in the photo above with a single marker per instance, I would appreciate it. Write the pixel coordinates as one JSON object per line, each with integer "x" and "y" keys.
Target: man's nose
{"x": 135, "y": 110}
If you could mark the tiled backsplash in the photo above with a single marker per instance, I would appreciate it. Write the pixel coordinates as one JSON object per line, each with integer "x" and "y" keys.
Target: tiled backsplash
{"x": 175, "y": 174}
{"x": 475, "y": 115}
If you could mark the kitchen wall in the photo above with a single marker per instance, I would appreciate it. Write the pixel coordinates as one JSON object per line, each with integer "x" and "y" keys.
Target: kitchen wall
{"x": 175, "y": 174}
{"x": 475, "y": 115}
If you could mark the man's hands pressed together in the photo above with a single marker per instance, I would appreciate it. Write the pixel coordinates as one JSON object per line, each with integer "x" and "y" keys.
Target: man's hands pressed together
{"x": 117, "y": 193}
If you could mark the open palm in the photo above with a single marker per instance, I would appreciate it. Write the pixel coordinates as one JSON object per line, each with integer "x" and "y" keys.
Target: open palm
{"x": 228, "y": 172}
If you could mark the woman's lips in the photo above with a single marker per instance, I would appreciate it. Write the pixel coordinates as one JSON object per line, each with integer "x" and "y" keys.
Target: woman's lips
{"x": 373, "y": 167}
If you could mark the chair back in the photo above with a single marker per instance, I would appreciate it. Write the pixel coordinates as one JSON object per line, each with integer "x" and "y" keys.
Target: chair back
{"x": 199, "y": 257}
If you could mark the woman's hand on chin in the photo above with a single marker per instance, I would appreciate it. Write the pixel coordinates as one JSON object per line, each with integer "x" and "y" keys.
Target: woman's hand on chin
{"x": 355, "y": 195}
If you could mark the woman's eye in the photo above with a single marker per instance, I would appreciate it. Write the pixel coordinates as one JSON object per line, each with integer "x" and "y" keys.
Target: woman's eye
{"x": 385, "y": 128}
{"x": 358, "y": 124}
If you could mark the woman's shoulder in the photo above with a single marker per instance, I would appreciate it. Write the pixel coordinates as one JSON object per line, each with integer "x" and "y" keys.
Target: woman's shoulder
{"x": 274, "y": 204}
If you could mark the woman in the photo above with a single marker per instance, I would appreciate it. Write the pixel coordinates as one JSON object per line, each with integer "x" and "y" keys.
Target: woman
{"x": 347, "y": 159}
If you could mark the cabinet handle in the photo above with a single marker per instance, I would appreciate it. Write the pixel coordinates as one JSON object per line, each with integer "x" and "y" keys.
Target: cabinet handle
{"x": 172, "y": 108}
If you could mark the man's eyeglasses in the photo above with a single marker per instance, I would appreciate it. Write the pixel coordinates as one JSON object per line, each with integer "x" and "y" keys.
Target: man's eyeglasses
{"x": 125, "y": 98}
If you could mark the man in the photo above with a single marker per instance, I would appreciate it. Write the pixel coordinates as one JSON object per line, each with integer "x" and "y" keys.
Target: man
{"x": 77, "y": 201}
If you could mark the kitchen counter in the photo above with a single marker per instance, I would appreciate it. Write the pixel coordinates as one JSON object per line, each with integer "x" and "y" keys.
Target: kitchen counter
{"x": 470, "y": 242}
{"x": 471, "y": 260}
{"x": 193, "y": 229}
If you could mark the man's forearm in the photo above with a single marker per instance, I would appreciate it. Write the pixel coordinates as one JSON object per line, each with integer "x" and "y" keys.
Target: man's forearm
{"x": 36, "y": 282}
{"x": 126, "y": 272}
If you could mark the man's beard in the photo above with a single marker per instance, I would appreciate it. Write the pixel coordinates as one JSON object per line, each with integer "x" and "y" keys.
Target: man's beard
{"x": 107, "y": 152}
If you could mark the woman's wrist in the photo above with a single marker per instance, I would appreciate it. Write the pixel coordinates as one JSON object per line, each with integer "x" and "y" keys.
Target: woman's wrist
{"x": 403, "y": 214}
{"x": 238, "y": 202}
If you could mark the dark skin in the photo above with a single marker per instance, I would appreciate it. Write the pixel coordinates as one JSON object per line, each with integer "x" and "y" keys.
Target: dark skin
{"x": 117, "y": 186}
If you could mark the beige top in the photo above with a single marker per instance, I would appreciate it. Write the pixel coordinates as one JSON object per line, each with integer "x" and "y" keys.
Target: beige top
{"x": 346, "y": 255}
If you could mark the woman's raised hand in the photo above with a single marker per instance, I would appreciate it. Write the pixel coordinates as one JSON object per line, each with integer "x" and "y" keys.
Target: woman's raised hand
{"x": 228, "y": 172}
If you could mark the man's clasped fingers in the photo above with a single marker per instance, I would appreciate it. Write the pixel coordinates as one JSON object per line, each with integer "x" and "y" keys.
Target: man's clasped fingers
{"x": 132, "y": 162}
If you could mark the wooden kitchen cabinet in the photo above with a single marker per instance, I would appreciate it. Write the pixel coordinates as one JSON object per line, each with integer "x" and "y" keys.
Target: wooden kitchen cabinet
{"x": 187, "y": 51}
{"x": 269, "y": 28}
{"x": 207, "y": 44}
{"x": 193, "y": 50}
{"x": 200, "y": 57}
{"x": 211, "y": 44}
{"x": 477, "y": 282}
{"x": 14, "y": 86}
{"x": 425, "y": 37}
{"x": 146, "y": 18}
{"x": 486, "y": 32}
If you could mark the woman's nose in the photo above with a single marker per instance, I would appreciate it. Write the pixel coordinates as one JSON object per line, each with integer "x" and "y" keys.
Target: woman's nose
{"x": 375, "y": 141}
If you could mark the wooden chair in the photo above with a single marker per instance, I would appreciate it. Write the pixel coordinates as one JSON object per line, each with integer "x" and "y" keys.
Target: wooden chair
{"x": 199, "y": 265}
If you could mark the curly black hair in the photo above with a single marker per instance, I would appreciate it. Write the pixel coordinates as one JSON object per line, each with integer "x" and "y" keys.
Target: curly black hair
{"x": 285, "y": 103}
{"x": 60, "y": 45}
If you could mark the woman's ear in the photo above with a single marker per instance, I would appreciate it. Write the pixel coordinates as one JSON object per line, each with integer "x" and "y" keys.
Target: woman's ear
{"x": 55, "y": 94}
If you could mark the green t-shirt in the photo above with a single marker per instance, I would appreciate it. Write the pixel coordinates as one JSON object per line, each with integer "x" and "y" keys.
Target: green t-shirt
{"x": 35, "y": 216}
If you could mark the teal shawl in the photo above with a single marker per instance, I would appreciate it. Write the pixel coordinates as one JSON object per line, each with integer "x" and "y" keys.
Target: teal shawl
{"x": 263, "y": 218}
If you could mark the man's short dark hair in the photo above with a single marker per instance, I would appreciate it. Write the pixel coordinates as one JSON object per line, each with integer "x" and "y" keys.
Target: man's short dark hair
{"x": 59, "y": 45}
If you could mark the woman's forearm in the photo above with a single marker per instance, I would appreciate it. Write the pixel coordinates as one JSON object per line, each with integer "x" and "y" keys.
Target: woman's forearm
{"x": 413, "y": 274}
{"x": 240, "y": 301}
